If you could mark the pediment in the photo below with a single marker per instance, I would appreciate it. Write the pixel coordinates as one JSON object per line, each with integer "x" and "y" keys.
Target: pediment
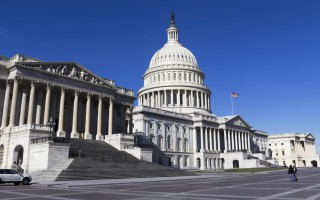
{"x": 71, "y": 70}
{"x": 237, "y": 121}
{"x": 310, "y": 136}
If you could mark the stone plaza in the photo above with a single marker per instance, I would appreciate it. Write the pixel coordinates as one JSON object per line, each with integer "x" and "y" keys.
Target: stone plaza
{"x": 244, "y": 186}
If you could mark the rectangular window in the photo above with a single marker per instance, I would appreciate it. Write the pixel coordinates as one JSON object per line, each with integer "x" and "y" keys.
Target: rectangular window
{"x": 283, "y": 153}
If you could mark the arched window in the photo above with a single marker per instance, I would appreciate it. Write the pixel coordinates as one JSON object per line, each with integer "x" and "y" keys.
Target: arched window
{"x": 185, "y": 77}
{"x": 179, "y": 76}
{"x": 169, "y": 141}
{"x": 169, "y": 76}
{"x": 158, "y": 77}
{"x": 174, "y": 76}
{"x": 163, "y": 77}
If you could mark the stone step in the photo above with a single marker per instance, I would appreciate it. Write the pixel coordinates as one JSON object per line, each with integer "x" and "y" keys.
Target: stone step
{"x": 99, "y": 160}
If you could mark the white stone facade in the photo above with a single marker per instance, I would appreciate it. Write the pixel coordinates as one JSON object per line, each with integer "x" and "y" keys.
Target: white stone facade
{"x": 174, "y": 112}
{"x": 293, "y": 149}
{"x": 79, "y": 103}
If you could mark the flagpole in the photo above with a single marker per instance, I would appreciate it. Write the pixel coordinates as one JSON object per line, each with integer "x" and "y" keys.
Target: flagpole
{"x": 231, "y": 104}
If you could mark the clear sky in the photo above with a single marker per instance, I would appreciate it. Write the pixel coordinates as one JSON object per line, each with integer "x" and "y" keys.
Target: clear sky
{"x": 267, "y": 51}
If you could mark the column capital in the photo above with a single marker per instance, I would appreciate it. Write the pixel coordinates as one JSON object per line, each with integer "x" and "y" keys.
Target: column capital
{"x": 34, "y": 83}
{"x": 89, "y": 94}
{"x": 63, "y": 89}
{"x": 101, "y": 97}
{"x": 111, "y": 99}
{"x": 16, "y": 78}
{"x": 49, "y": 86}
{"x": 76, "y": 92}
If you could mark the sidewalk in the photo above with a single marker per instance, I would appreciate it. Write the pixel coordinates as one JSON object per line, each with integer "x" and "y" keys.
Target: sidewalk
{"x": 117, "y": 181}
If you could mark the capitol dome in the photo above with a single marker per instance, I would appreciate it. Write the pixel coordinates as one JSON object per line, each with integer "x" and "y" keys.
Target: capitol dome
{"x": 173, "y": 52}
{"x": 173, "y": 80}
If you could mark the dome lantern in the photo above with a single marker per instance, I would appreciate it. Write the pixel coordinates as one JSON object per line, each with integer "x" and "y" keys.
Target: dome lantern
{"x": 172, "y": 30}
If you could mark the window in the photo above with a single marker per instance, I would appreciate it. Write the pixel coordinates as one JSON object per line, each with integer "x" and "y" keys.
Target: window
{"x": 281, "y": 143}
{"x": 151, "y": 125}
{"x": 283, "y": 153}
{"x": 270, "y": 145}
{"x": 169, "y": 142}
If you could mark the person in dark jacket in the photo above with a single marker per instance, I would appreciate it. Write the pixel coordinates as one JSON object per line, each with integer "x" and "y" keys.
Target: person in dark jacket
{"x": 291, "y": 173}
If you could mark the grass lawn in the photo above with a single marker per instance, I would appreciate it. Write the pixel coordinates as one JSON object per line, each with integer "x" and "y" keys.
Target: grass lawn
{"x": 260, "y": 169}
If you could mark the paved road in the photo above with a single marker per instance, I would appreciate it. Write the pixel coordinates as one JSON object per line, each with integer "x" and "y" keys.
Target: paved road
{"x": 262, "y": 186}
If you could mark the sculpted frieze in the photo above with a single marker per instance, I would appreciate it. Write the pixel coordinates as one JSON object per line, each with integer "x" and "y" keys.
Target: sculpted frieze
{"x": 70, "y": 70}
{"x": 238, "y": 122}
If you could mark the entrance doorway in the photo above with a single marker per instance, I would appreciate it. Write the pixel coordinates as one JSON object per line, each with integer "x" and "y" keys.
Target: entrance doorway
{"x": 18, "y": 155}
{"x": 314, "y": 163}
{"x": 235, "y": 164}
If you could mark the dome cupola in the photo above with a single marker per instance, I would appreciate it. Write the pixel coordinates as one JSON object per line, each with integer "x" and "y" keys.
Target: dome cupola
{"x": 173, "y": 80}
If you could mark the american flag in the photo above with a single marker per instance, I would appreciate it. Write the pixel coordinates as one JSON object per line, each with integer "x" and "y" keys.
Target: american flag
{"x": 235, "y": 95}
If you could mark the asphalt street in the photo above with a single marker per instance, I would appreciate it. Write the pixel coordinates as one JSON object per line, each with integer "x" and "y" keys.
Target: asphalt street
{"x": 262, "y": 186}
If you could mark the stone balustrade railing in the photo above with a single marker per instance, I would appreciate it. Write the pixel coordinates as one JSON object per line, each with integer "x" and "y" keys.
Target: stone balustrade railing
{"x": 30, "y": 126}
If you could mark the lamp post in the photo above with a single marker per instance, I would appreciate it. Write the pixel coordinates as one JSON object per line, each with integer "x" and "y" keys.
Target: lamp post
{"x": 51, "y": 124}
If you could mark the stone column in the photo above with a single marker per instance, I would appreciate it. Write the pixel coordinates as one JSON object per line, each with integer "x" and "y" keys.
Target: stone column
{"x": 14, "y": 101}
{"x": 209, "y": 104}
{"x": 204, "y": 100}
{"x": 242, "y": 141}
{"x": 172, "y": 102}
{"x": 110, "y": 128}
{"x": 225, "y": 141}
{"x": 159, "y": 98}
{"x": 245, "y": 141}
{"x": 99, "y": 119}
{"x": 47, "y": 105}
{"x": 192, "y": 98}
{"x": 219, "y": 145}
{"x": 229, "y": 139}
{"x": 153, "y": 99}
{"x": 239, "y": 140}
{"x": 6, "y": 106}
{"x": 178, "y": 98}
{"x": 38, "y": 108}
{"x": 165, "y": 98}
{"x": 61, "y": 132}
{"x": 249, "y": 146}
{"x": 87, "y": 134}
{"x": 23, "y": 107}
{"x": 131, "y": 120}
{"x": 214, "y": 139}
{"x": 206, "y": 138}
{"x": 195, "y": 142}
{"x": 74, "y": 133}
{"x": 201, "y": 137}
{"x": 185, "y": 98}
{"x": 232, "y": 139}
{"x": 236, "y": 140}
{"x": 174, "y": 129}
{"x": 198, "y": 99}
{"x": 210, "y": 138}
{"x": 31, "y": 102}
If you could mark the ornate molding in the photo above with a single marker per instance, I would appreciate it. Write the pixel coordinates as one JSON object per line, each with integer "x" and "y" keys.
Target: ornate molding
{"x": 71, "y": 70}
{"x": 238, "y": 122}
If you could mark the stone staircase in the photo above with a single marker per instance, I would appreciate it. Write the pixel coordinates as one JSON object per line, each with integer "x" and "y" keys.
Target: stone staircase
{"x": 51, "y": 174}
{"x": 95, "y": 160}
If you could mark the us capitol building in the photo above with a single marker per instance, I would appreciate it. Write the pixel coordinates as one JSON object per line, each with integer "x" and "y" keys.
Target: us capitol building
{"x": 173, "y": 120}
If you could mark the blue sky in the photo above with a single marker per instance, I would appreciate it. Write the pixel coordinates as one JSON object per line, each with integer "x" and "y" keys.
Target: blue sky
{"x": 267, "y": 51}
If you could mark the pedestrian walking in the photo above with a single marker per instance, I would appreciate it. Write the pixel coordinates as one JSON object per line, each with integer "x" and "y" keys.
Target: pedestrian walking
{"x": 291, "y": 173}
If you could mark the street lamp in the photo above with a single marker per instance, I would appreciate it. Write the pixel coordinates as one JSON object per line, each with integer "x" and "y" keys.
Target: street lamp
{"x": 51, "y": 124}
